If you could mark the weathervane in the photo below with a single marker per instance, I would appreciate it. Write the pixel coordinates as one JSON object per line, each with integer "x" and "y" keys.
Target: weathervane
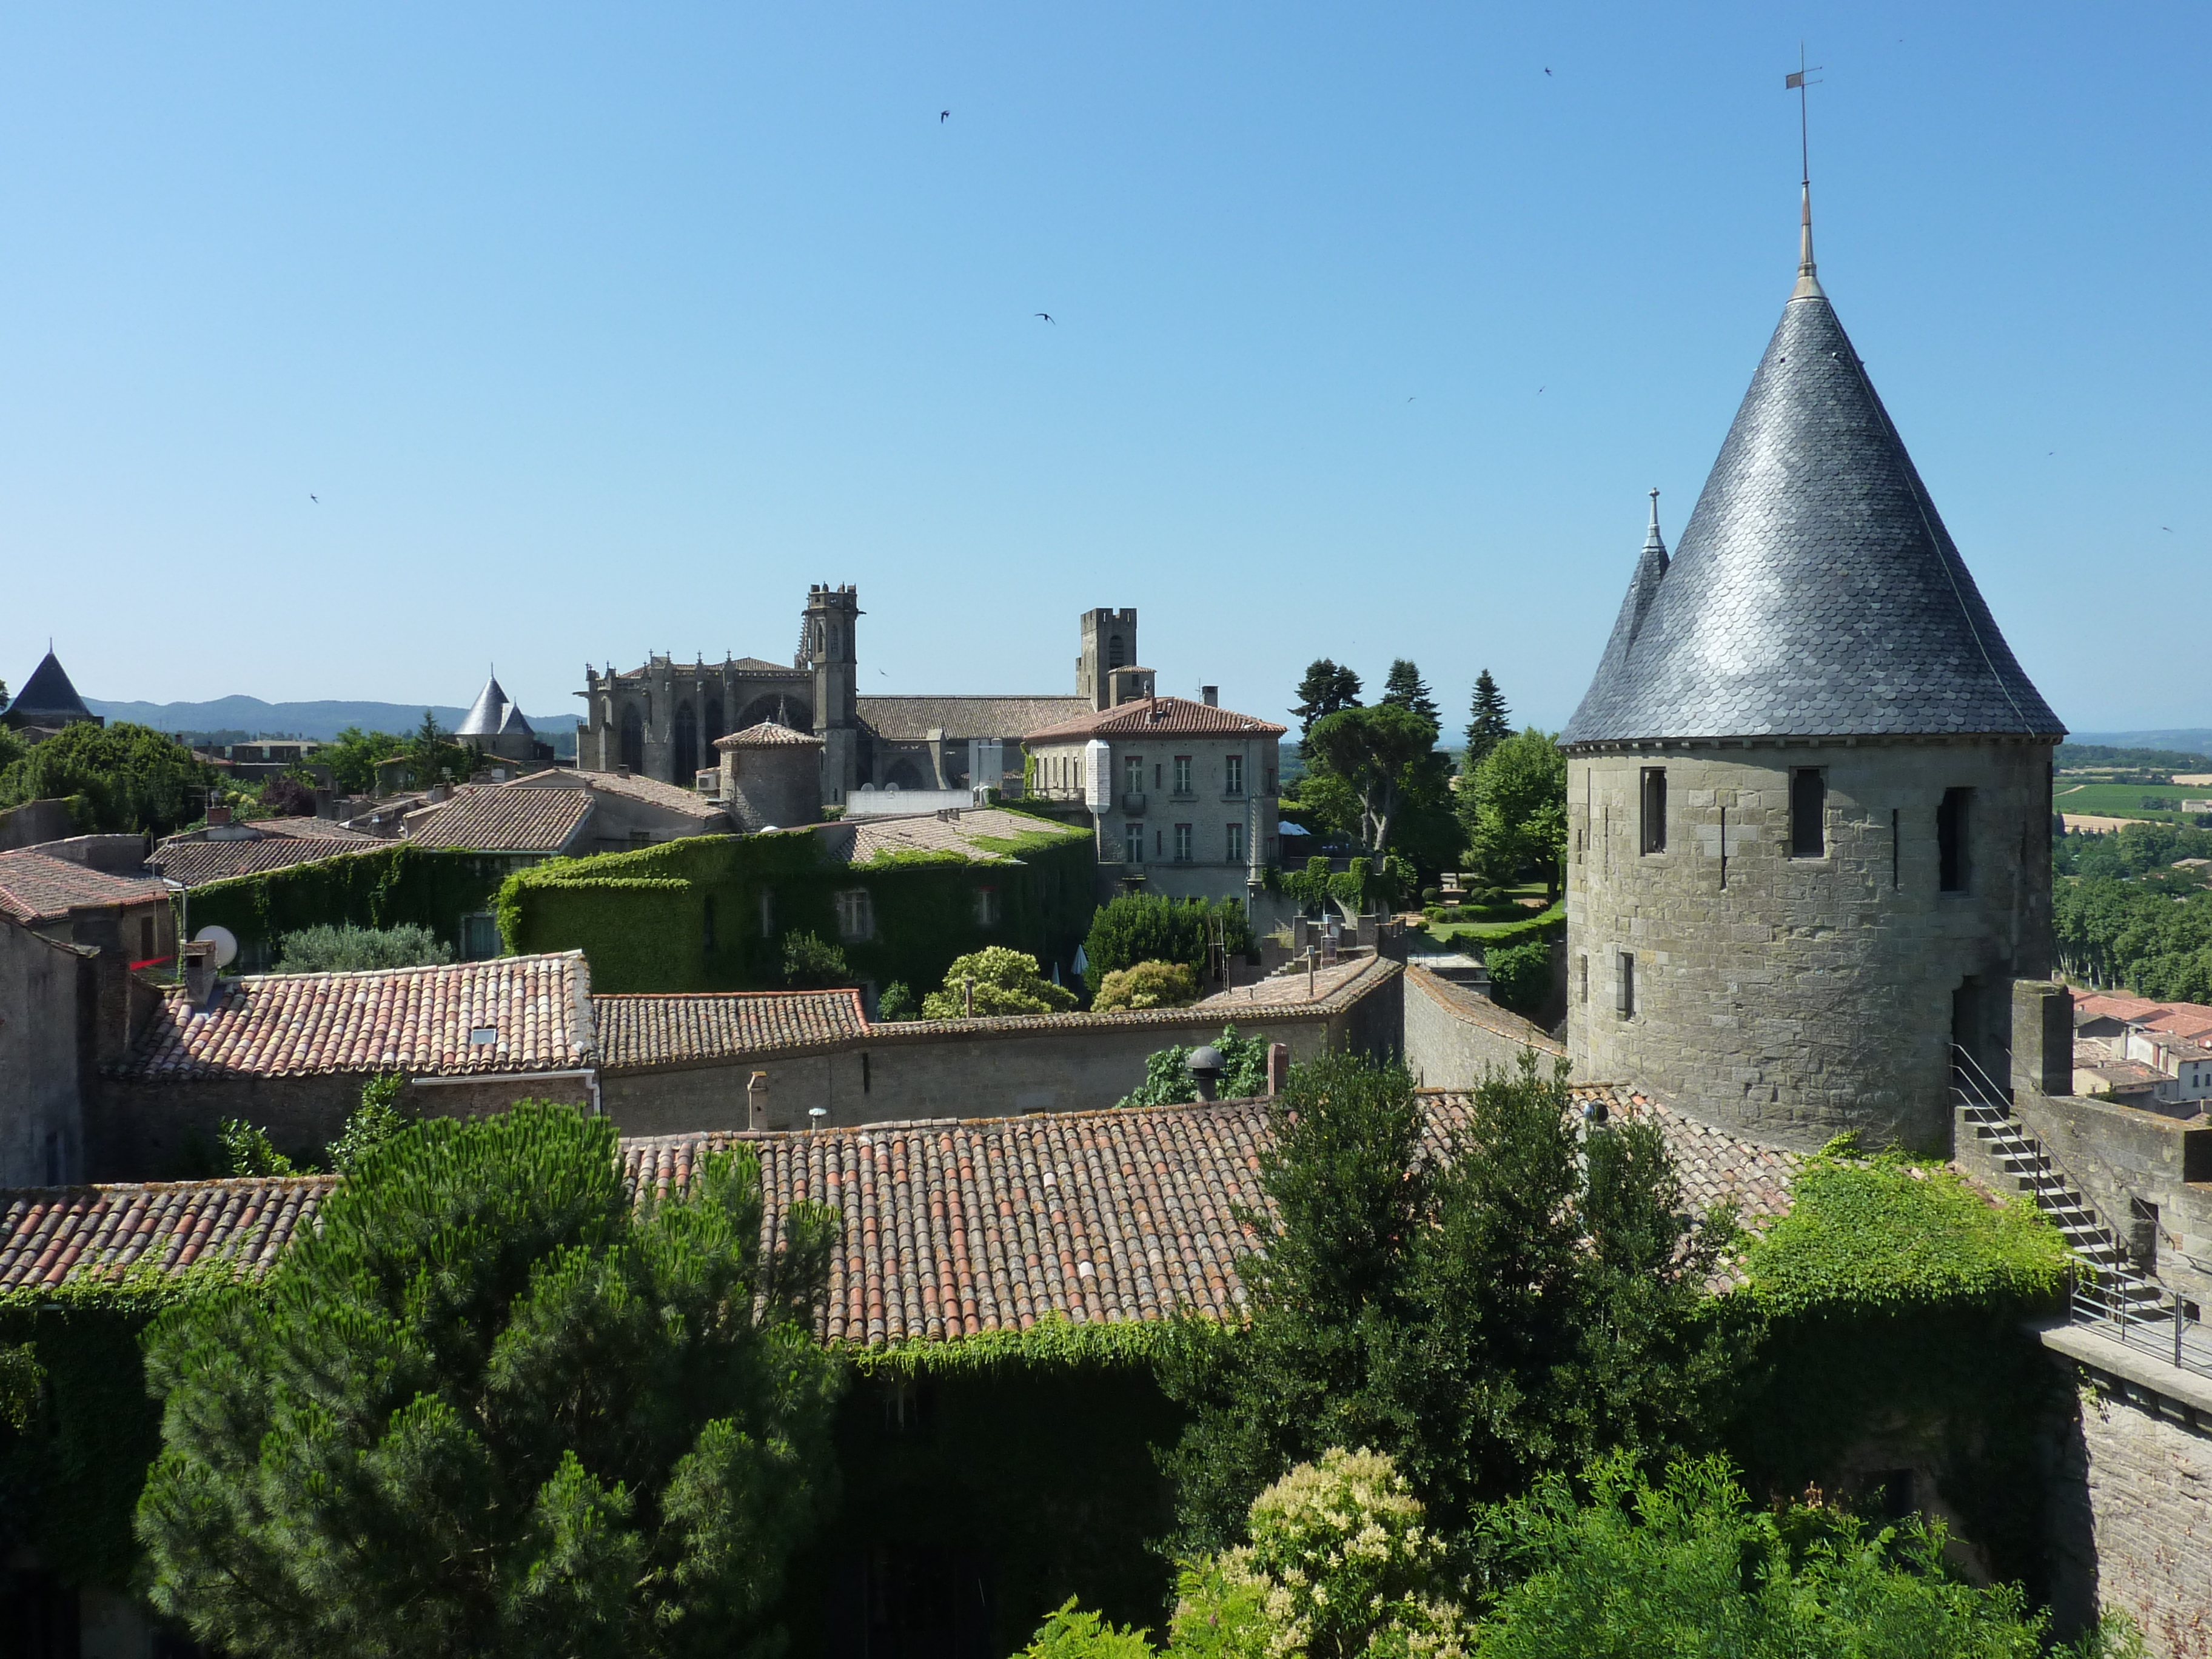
{"x": 1809, "y": 281}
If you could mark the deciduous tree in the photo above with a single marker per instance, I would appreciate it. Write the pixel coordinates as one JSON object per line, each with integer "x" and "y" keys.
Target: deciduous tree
{"x": 131, "y": 777}
{"x": 1514, "y": 808}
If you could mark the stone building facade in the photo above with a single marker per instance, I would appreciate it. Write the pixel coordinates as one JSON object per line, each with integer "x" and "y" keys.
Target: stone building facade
{"x": 663, "y": 721}
{"x": 1808, "y": 789}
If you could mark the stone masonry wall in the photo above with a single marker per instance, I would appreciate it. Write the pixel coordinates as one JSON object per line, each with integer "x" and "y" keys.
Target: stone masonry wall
{"x": 1793, "y": 999}
{"x": 1454, "y": 1037}
{"x": 2135, "y": 1517}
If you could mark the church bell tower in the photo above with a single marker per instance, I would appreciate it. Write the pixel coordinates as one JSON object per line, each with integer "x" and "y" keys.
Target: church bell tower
{"x": 830, "y": 653}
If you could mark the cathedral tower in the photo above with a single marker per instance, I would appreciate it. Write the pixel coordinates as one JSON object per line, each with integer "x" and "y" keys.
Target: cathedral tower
{"x": 829, "y": 652}
{"x": 1109, "y": 641}
{"x": 1809, "y": 788}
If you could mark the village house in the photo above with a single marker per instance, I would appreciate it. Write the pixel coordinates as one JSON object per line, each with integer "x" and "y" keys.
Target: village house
{"x": 87, "y": 885}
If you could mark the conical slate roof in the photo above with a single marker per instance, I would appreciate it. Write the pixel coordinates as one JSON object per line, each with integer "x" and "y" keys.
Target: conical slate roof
{"x": 491, "y": 715}
{"x": 47, "y": 698}
{"x": 1814, "y": 592}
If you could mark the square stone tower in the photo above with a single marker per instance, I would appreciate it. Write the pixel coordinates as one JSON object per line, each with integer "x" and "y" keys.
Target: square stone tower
{"x": 832, "y": 655}
{"x": 1808, "y": 790}
{"x": 1109, "y": 641}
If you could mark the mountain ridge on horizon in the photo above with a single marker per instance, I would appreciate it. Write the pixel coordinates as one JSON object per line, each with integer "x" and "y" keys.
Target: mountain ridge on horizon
{"x": 321, "y": 719}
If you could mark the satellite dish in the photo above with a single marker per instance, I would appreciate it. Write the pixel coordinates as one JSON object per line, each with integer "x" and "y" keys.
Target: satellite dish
{"x": 225, "y": 942}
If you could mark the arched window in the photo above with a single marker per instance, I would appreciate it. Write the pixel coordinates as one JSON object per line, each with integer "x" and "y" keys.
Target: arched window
{"x": 685, "y": 762}
{"x": 715, "y": 730}
{"x": 1114, "y": 650}
{"x": 633, "y": 740}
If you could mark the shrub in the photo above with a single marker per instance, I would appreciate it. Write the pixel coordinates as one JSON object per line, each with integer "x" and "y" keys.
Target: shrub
{"x": 1135, "y": 927}
{"x": 1340, "y": 1564}
{"x": 1007, "y": 981}
{"x": 285, "y": 797}
{"x": 1069, "y": 1633}
{"x": 1432, "y": 894}
{"x": 1168, "y": 1081}
{"x": 349, "y": 950}
{"x": 812, "y": 964}
{"x": 1147, "y": 985}
{"x": 897, "y": 1004}
{"x": 1520, "y": 976}
{"x": 249, "y": 1151}
{"x": 374, "y": 1121}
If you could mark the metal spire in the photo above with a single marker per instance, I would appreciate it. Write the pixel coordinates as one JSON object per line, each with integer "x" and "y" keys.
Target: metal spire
{"x": 1808, "y": 280}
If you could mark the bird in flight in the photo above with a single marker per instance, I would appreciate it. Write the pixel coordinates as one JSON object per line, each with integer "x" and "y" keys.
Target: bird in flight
{"x": 943, "y": 116}
{"x": 1547, "y": 71}
{"x": 2167, "y": 528}
{"x": 317, "y": 500}
{"x": 1046, "y": 315}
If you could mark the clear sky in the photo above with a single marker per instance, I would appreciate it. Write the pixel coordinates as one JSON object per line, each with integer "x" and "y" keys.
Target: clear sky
{"x": 605, "y": 331}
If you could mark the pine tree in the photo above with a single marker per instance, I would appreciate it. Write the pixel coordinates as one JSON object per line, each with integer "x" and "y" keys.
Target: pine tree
{"x": 1406, "y": 688}
{"x": 483, "y": 1409}
{"x": 1325, "y": 689}
{"x": 1490, "y": 722}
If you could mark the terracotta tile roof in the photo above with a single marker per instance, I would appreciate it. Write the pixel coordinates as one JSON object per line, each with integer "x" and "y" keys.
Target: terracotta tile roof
{"x": 198, "y": 862}
{"x": 911, "y": 719}
{"x": 34, "y": 886}
{"x": 855, "y": 840}
{"x": 304, "y": 828}
{"x": 1360, "y": 978}
{"x": 504, "y": 817}
{"x": 952, "y": 1228}
{"x": 418, "y": 1020}
{"x": 1165, "y": 715}
{"x": 769, "y": 735}
{"x": 2099, "y": 1005}
{"x": 50, "y": 1234}
{"x": 682, "y": 1029}
{"x": 652, "y": 791}
{"x": 1285, "y": 990}
{"x": 949, "y": 1228}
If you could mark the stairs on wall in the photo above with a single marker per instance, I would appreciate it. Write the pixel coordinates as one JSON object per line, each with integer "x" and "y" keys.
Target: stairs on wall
{"x": 2109, "y": 1288}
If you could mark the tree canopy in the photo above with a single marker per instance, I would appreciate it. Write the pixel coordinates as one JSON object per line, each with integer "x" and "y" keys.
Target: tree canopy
{"x": 1325, "y": 689}
{"x": 354, "y": 755}
{"x": 1384, "y": 756}
{"x": 1515, "y": 809}
{"x": 347, "y": 949}
{"x": 1001, "y": 981}
{"x": 131, "y": 777}
{"x": 1406, "y": 688}
{"x": 1527, "y": 1301}
{"x": 483, "y": 1407}
{"x": 1134, "y": 927}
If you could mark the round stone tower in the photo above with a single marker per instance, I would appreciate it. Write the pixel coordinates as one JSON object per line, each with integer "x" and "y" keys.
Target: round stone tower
{"x": 771, "y": 776}
{"x": 1808, "y": 790}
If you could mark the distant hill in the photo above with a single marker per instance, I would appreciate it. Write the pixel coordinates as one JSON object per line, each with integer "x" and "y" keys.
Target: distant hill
{"x": 306, "y": 719}
{"x": 2197, "y": 740}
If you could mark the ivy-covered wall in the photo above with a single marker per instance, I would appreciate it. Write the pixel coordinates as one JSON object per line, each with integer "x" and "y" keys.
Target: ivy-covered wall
{"x": 380, "y": 888}
{"x": 687, "y": 916}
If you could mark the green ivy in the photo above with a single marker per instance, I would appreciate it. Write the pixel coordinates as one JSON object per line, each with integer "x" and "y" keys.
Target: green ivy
{"x": 385, "y": 887}
{"x": 685, "y": 915}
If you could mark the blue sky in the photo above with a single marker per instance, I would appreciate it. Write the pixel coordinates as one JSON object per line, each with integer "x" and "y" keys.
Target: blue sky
{"x": 599, "y": 331}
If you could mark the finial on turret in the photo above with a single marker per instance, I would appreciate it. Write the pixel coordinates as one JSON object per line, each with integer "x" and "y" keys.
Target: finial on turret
{"x": 1651, "y": 535}
{"x": 1808, "y": 280}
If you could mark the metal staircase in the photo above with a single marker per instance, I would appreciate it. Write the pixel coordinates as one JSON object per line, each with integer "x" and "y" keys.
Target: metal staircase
{"x": 2109, "y": 1290}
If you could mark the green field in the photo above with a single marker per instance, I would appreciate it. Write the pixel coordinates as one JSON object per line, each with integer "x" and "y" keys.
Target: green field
{"x": 2125, "y": 800}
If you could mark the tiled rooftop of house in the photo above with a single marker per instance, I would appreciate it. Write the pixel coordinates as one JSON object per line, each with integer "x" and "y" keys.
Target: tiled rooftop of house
{"x": 1354, "y": 980}
{"x": 949, "y": 1228}
{"x": 503, "y": 817}
{"x": 35, "y": 886}
{"x": 195, "y": 863}
{"x": 652, "y": 791}
{"x": 855, "y": 840}
{"x": 1287, "y": 990}
{"x": 679, "y": 1030}
{"x": 769, "y": 735}
{"x": 1157, "y": 714}
{"x": 52, "y": 1233}
{"x": 509, "y": 1014}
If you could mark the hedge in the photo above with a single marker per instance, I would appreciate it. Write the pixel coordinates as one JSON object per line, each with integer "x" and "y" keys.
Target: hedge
{"x": 686, "y": 916}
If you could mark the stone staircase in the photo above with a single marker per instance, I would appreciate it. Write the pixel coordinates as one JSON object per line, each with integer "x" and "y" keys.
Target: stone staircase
{"x": 2108, "y": 1286}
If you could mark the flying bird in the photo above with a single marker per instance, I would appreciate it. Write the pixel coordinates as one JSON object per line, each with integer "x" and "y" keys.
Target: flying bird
{"x": 1046, "y": 315}
{"x": 317, "y": 500}
{"x": 2167, "y": 528}
{"x": 943, "y": 116}
{"x": 1547, "y": 71}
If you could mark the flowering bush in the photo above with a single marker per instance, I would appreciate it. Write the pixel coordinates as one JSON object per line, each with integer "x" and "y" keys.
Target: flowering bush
{"x": 1340, "y": 1566}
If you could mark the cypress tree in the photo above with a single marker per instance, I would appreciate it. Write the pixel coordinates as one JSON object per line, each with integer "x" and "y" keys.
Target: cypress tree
{"x": 484, "y": 1409}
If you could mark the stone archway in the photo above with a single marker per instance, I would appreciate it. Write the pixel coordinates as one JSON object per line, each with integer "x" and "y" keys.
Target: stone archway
{"x": 906, "y": 774}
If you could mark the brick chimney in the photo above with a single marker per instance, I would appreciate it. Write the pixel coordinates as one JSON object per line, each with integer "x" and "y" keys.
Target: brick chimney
{"x": 218, "y": 812}
{"x": 1278, "y": 1069}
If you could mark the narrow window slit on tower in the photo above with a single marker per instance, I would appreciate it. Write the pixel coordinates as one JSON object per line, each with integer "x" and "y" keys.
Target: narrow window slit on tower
{"x": 1724, "y": 847}
{"x": 1809, "y": 813}
{"x": 1654, "y": 809}
{"x": 1624, "y": 989}
{"x": 1894, "y": 860}
{"x": 1951, "y": 840}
